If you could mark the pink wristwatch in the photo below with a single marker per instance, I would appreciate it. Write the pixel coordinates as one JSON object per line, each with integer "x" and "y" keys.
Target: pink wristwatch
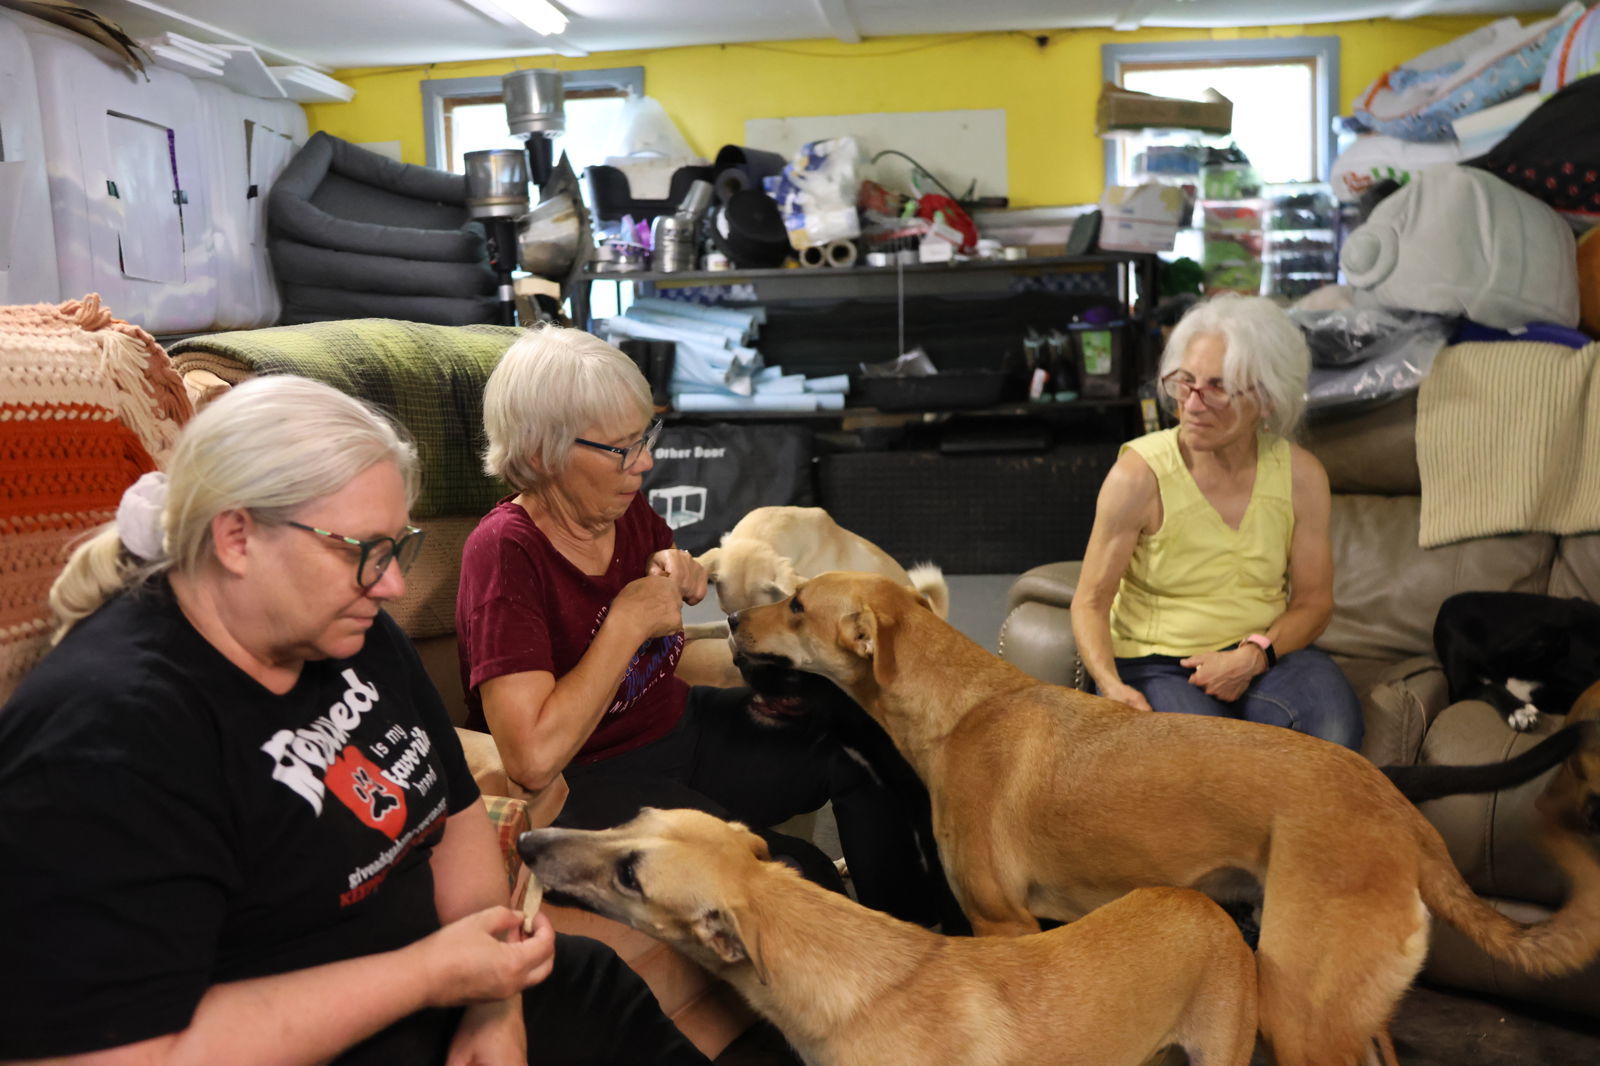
{"x": 1264, "y": 642}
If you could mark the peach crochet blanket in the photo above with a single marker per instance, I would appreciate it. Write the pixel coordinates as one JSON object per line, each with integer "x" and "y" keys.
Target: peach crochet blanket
{"x": 87, "y": 404}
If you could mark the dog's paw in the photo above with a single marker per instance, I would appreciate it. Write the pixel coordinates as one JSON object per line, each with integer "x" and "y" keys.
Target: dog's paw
{"x": 1524, "y": 718}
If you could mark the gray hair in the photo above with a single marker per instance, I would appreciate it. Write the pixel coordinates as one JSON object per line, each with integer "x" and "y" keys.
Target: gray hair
{"x": 1262, "y": 349}
{"x": 269, "y": 446}
{"x": 550, "y": 386}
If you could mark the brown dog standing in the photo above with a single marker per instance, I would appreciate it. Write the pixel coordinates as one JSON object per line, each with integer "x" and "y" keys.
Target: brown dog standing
{"x": 1048, "y": 801}
{"x": 850, "y": 986}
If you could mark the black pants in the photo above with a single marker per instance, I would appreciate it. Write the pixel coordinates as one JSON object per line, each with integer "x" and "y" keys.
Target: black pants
{"x": 719, "y": 761}
{"x": 594, "y": 1011}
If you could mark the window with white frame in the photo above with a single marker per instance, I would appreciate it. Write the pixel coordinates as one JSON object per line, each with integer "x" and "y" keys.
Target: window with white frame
{"x": 1282, "y": 90}
{"x": 462, "y": 115}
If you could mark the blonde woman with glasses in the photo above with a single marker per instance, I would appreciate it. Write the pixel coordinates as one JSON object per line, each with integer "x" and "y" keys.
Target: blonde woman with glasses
{"x": 236, "y": 825}
{"x": 1209, "y": 572}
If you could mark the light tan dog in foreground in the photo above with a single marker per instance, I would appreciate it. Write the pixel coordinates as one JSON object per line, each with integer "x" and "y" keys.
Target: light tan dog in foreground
{"x": 1049, "y": 801}
{"x": 851, "y": 986}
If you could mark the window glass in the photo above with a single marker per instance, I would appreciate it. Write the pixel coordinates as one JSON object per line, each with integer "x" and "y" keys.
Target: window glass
{"x": 1274, "y": 109}
{"x": 476, "y": 123}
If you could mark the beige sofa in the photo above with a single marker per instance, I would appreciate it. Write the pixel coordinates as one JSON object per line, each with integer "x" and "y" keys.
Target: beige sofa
{"x": 1387, "y": 592}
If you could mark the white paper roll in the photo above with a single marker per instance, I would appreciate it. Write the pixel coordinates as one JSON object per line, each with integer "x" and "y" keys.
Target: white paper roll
{"x": 841, "y": 253}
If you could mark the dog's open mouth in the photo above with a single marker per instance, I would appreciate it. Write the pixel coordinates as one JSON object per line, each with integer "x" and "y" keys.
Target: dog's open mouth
{"x": 777, "y": 707}
{"x": 775, "y": 687}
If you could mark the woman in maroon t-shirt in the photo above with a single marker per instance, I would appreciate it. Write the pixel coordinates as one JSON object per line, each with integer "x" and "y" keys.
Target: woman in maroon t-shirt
{"x": 569, "y": 618}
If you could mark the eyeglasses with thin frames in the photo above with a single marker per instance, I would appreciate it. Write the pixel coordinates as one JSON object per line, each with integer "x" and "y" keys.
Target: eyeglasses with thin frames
{"x": 1179, "y": 385}
{"x": 377, "y": 553}
{"x": 627, "y": 456}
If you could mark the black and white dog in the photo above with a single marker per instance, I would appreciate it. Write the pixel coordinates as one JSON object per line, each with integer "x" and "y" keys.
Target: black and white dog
{"x": 1523, "y": 653}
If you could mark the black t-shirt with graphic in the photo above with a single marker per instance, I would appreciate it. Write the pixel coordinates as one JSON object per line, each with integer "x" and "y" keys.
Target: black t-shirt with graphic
{"x": 167, "y": 824}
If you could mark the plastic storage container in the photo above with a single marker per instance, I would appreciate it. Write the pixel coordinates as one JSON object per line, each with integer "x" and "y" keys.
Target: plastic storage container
{"x": 1102, "y": 365}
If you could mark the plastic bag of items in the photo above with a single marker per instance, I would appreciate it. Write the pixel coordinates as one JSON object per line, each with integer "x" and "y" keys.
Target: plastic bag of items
{"x": 817, "y": 193}
{"x": 1362, "y": 356}
{"x": 1418, "y": 100}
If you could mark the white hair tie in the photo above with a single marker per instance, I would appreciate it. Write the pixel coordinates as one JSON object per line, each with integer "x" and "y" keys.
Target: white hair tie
{"x": 139, "y": 516}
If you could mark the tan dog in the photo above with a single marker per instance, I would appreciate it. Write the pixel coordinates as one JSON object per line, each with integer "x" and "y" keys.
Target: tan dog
{"x": 851, "y": 986}
{"x": 760, "y": 560}
{"x": 1049, "y": 801}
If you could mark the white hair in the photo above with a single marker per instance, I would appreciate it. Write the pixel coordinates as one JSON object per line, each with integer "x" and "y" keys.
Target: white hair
{"x": 1262, "y": 349}
{"x": 269, "y": 446}
{"x": 549, "y": 387}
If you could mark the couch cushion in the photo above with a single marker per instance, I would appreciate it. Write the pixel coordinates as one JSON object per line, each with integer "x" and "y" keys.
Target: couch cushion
{"x": 1371, "y": 452}
{"x": 1387, "y": 590}
{"x": 1576, "y": 571}
{"x": 428, "y": 607}
{"x": 1492, "y": 837}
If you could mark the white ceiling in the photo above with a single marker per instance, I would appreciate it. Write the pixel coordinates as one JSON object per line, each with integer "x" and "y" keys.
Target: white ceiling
{"x": 348, "y": 33}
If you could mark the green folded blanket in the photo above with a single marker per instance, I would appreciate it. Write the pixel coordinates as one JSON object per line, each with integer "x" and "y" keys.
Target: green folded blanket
{"x": 429, "y": 378}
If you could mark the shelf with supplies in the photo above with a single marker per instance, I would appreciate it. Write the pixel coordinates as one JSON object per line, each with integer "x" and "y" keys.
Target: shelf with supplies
{"x": 977, "y": 319}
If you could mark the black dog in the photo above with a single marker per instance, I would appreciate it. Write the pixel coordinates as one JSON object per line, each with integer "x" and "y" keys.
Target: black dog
{"x": 1520, "y": 652}
{"x": 811, "y": 706}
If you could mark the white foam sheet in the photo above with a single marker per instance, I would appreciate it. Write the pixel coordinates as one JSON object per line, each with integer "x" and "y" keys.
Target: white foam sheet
{"x": 27, "y": 238}
{"x": 148, "y": 257}
{"x": 247, "y": 141}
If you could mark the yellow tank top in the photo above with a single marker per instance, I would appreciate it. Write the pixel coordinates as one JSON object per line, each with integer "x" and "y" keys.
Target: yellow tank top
{"x": 1197, "y": 584}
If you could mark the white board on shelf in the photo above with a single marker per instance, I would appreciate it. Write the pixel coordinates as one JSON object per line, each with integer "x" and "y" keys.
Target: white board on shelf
{"x": 246, "y": 72}
{"x": 958, "y": 147}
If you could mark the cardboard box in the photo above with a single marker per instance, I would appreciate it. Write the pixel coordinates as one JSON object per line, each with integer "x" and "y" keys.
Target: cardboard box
{"x": 1140, "y": 218}
{"x": 1122, "y": 110}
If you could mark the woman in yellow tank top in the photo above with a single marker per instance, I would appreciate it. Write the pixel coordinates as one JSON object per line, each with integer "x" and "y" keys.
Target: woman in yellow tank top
{"x": 1209, "y": 572}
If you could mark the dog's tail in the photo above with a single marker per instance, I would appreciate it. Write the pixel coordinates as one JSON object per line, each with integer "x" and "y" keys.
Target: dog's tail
{"x": 1567, "y": 941}
{"x": 1419, "y": 783}
{"x": 929, "y": 580}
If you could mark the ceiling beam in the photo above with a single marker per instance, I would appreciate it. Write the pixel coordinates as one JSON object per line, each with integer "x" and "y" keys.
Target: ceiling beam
{"x": 1134, "y": 14}
{"x": 836, "y": 16}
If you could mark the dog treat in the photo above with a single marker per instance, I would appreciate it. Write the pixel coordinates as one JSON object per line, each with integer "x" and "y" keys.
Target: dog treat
{"x": 530, "y": 903}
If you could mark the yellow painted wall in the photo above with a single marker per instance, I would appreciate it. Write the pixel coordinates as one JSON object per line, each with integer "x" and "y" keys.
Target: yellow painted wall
{"x": 1048, "y": 93}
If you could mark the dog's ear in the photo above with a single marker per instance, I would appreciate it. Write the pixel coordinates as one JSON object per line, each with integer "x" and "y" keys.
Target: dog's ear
{"x": 710, "y": 559}
{"x": 858, "y": 633}
{"x": 718, "y": 930}
{"x": 785, "y": 580}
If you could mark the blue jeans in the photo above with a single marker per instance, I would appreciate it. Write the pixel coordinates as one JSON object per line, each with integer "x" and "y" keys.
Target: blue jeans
{"x": 1305, "y": 692}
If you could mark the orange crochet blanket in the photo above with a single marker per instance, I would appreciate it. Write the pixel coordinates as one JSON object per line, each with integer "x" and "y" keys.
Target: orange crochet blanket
{"x": 87, "y": 404}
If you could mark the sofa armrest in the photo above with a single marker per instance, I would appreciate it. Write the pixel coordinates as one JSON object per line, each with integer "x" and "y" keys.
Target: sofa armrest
{"x": 1400, "y": 707}
{"x": 1036, "y": 635}
{"x": 1053, "y": 583}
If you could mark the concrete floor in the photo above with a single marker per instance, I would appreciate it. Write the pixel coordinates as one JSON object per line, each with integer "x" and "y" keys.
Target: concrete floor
{"x": 1433, "y": 1027}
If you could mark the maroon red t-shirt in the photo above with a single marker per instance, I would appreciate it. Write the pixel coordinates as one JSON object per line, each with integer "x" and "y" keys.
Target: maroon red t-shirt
{"x": 523, "y": 606}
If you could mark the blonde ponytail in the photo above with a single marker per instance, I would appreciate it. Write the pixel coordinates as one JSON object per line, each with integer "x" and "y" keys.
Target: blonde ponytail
{"x": 99, "y": 568}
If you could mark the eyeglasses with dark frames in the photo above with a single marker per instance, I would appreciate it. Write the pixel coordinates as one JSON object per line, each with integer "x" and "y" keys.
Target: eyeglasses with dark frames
{"x": 627, "y": 456}
{"x": 377, "y": 553}
{"x": 1179, "y": 385}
